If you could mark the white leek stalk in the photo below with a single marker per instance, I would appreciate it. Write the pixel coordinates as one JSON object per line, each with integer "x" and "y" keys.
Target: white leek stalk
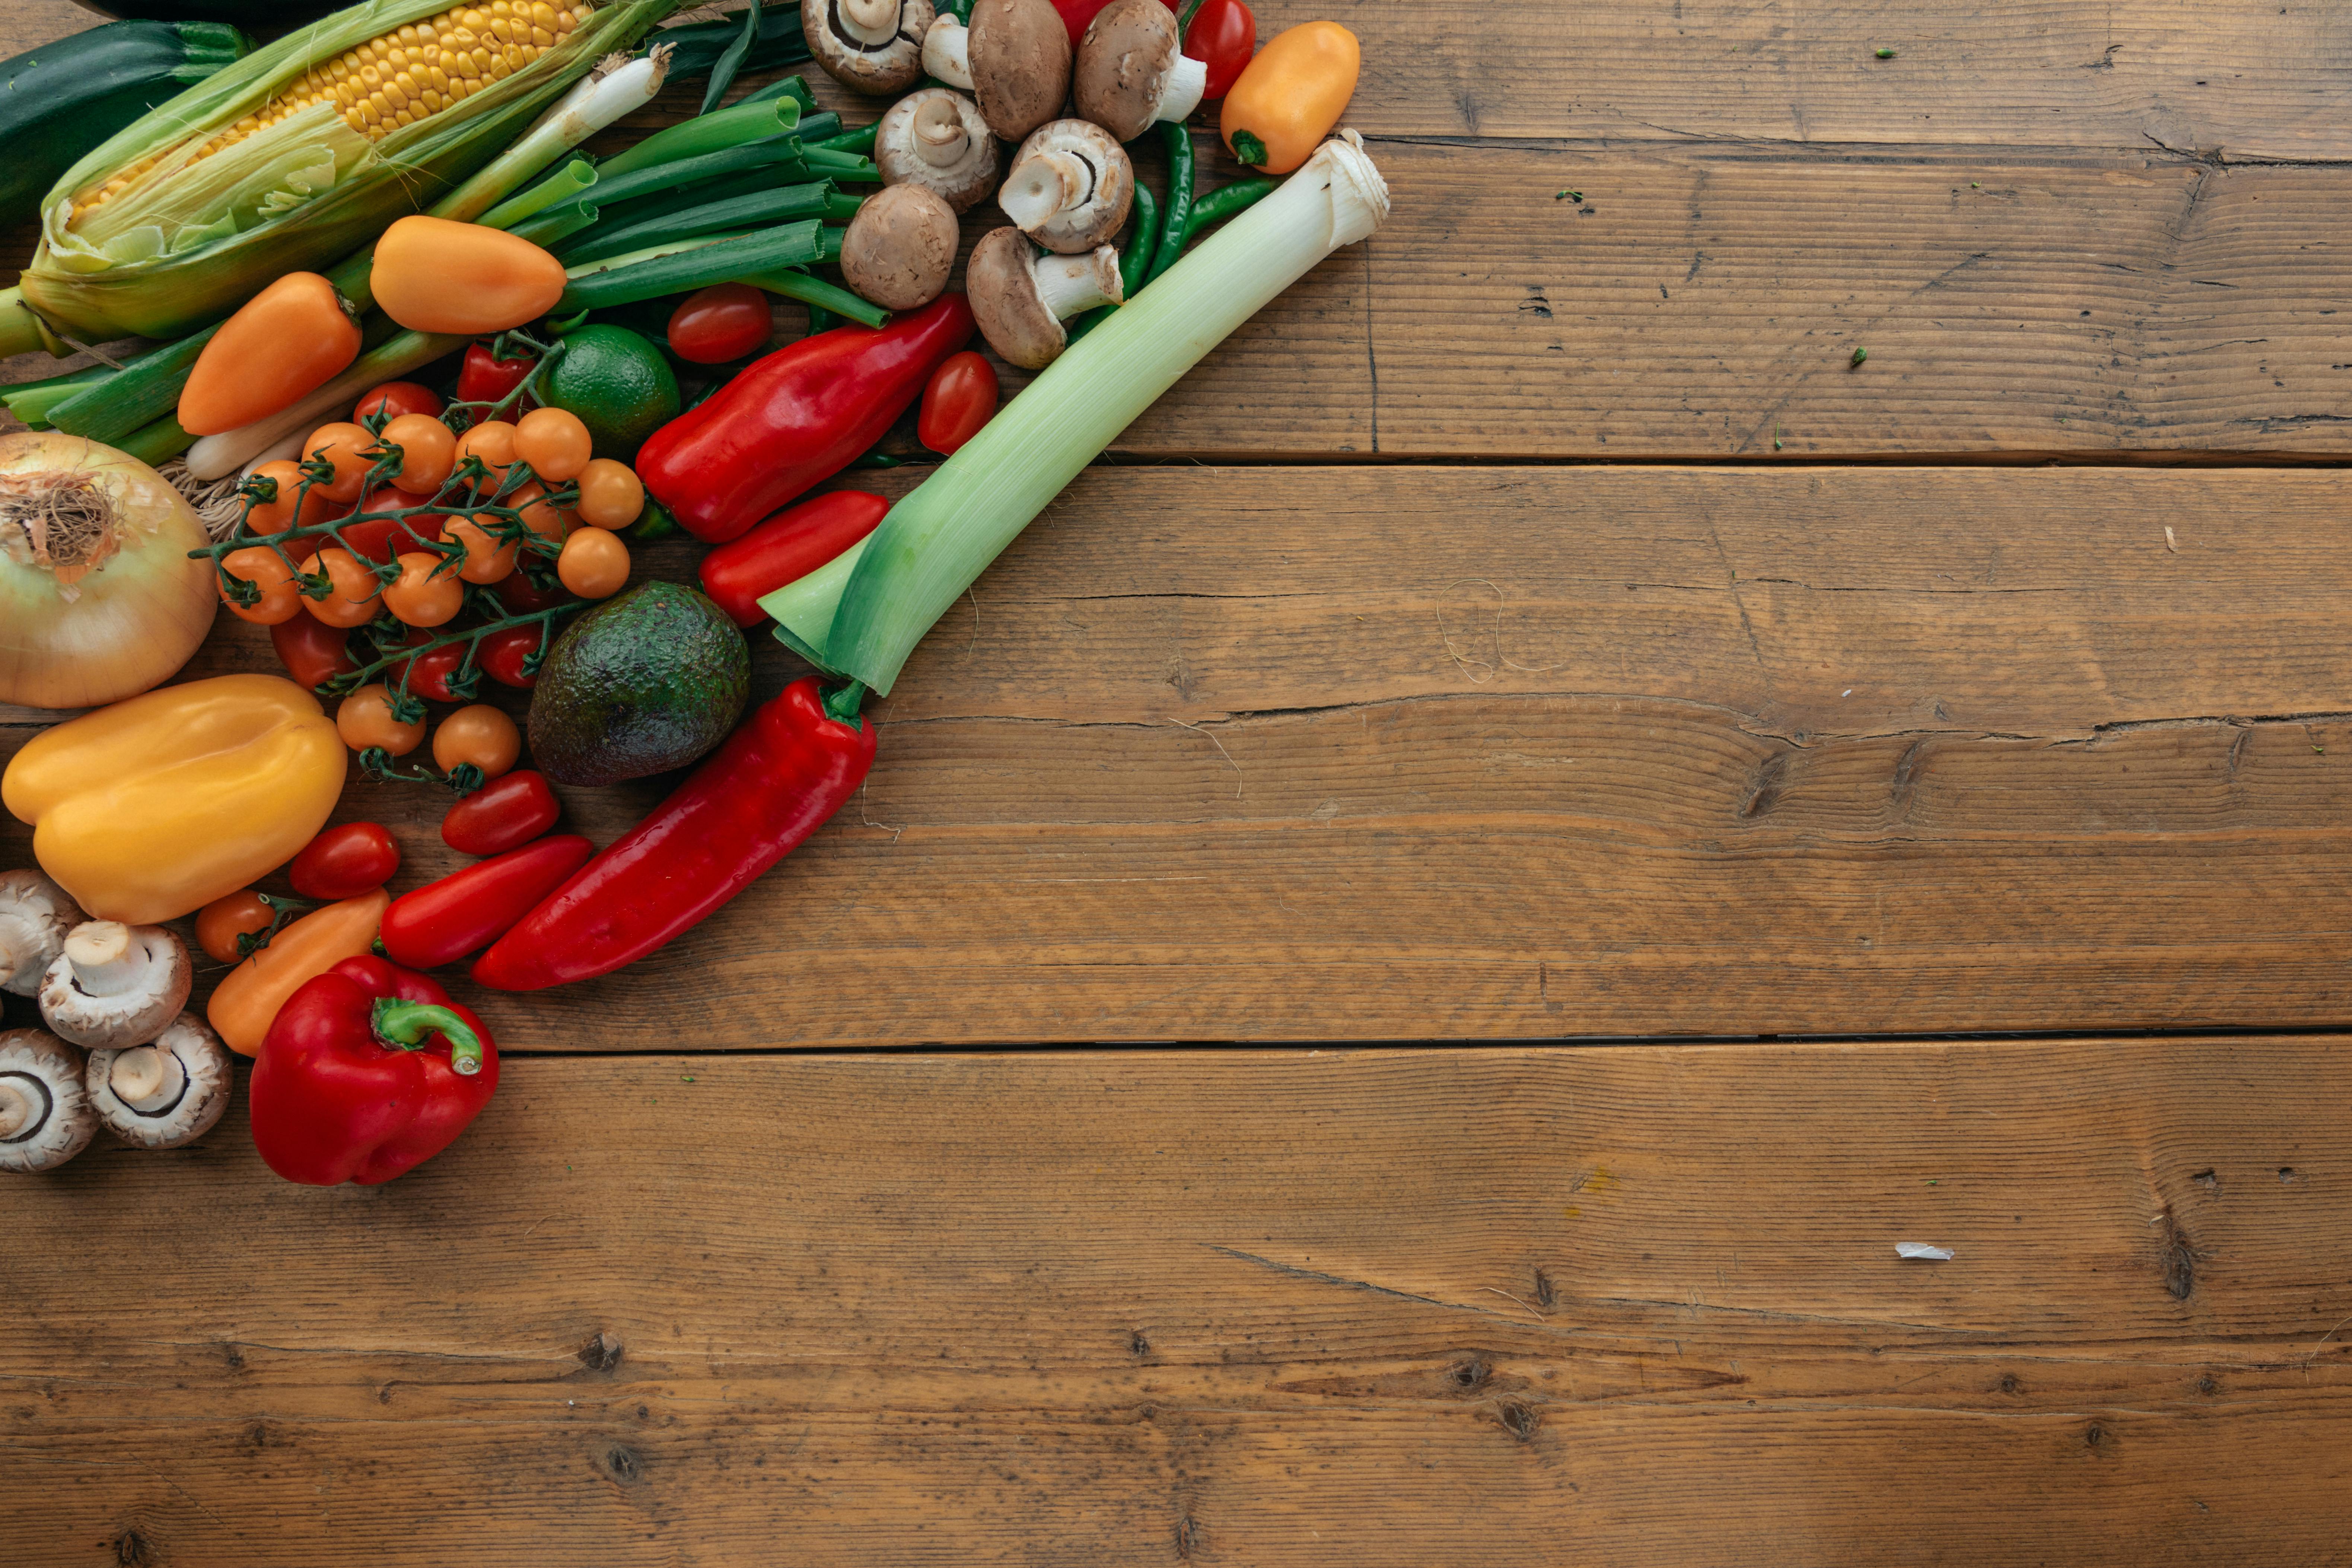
{"x": 863, "y": 614}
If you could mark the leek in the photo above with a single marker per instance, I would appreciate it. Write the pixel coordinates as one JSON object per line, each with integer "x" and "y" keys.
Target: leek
{"x": 862, "y": 614}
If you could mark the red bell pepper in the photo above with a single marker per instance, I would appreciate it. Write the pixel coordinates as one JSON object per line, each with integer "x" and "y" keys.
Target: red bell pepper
{"x": 368, "y": 1071}
{"x": 505, "y": 814}
{"x": 798, "y": 417}
{"x": 467, "y": 909}
{"x": 794, "y": 763}
{"x": 786, "y": 548}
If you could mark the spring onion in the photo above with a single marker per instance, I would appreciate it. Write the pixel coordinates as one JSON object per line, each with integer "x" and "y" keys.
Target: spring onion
{"x": 707, "y": 134}
{"x": 819, "y": 200}
{"x": 624, "y": 279}
{"x": 776, "y": 161}
{"x": 862, "y": 618}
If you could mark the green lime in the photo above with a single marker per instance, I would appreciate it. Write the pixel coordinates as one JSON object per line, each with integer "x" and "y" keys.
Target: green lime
{"x": 618, "y": 384}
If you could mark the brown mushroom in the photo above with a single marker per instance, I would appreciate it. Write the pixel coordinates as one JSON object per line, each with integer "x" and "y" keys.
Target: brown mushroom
{"x": 1131, "y": 69}
{"x": 936, "y": 138}
{"x": 115, "y": 985}
{"x": 1021, "y": 299}
{"x": 900, "y": 248}
{"x": 35, "y": 916}
{"x": 871, "y": 46}
{"x": 44, "y": 1116}
{"x": 163, "y": 1095}
{"x": 1069, "y": 187}
{"x": 1014, "y": 57}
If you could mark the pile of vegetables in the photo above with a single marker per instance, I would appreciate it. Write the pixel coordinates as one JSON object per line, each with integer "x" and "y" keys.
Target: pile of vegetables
{"x": 418, "y": 444}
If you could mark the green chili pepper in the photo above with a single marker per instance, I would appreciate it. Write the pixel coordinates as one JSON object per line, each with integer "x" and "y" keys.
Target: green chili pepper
{"x": 1178, "y": 212}
{"x": 1227, "y": 202}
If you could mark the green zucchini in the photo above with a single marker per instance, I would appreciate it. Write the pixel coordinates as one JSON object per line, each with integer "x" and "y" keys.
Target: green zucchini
{"x": 60, "y": 101}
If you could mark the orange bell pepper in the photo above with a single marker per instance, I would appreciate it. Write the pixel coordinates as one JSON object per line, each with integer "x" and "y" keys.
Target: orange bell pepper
{"x": 157, "y": 805}
{"x": 288, "y": 341}
{"x": 435, "y": 276}
{"x": 247, "y": 1002}
{"x": 1290, "y": 95}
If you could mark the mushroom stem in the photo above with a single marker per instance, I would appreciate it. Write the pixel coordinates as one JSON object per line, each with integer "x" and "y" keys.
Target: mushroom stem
{"x": 947, "y": 52}
{"x": 1180, "y": 94}
{"x": 16, "y": 1109}
{"x": 106, "y": 956}
{"x": 1046, "y": 183}
{"x": 16, "y": 951}
{"x": 148, "y": 1078}
{"x": 940, "y": 138}
{"x": 868, "y": 21}
{"x": 1069, "y": 284}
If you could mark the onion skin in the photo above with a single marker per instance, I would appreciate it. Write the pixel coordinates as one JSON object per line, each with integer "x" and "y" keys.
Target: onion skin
{"x": 131, "y": 622}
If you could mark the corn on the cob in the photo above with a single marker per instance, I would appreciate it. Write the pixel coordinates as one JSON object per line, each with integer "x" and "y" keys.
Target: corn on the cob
{"x": 299, "y": 154}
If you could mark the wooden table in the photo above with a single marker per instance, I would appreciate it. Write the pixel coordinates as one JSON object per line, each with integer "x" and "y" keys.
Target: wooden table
{"x": 1672, "y": 813}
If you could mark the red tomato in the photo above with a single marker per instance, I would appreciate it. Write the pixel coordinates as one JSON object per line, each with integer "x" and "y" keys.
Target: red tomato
{"x": 960, "y": 399}
{"x": 519, "y": 594}
{"x": 385, "y": 538}
{"x": 486, "y": 380}
{"x": 344, "y": 862}
{"x": 429, "y": 673}
{"x": 395, "y": 398}
{"x": 511, "y": 810}
{"x": 1077, "y": 13}
{"x": 1224, "y": 35}
{"x": 312, "y": 651}
{"x": 500, "y": 655}
{"x": 724, "y": 322}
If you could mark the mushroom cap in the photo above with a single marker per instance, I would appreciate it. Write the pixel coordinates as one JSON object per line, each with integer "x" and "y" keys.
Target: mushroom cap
{"x": 1099, "y": 218}
{"x": 1123, "y": 61}
{"x": 1000, "y": 280}
{"x": 146, "y": 988}
{"x": 188, "y": 1114}
{"x": 962, "y": 184}
{"x": 900, "y": 248}
{"x": 49, "y": 1116}
{"x": 35, "y": 915}
{"x": 878, "y": 69}
{"x": 1020, "y": 55}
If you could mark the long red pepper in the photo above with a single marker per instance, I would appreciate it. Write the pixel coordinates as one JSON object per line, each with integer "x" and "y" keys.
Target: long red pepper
{"x": 469, "y": 908}
{"x": 798, "y": 417}
{"x": 786, "y": 769}
{"x": 786, "y": 548}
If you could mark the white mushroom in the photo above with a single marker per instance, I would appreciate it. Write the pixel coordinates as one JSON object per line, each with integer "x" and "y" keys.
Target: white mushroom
{"x": 872, "y": 45}
{"x": 1021, "y": 299}
{"x": 1069, "y": 187}
{"x": 35, "y": 915}
{"x": 1132, "y": 69}
{"x": 163, "y": 1095}
{"x": 900, "y": 248}
{"x": 45, "y": 1117}
{"x": 115, "y": 985}
{"x": 936, "y": 138}
{"x": 1015, "y": 57}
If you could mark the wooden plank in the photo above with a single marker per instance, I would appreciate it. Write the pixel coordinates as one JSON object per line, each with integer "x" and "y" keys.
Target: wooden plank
{"x": 1408, "y": 754}
{"x": 1627, "y": 1306}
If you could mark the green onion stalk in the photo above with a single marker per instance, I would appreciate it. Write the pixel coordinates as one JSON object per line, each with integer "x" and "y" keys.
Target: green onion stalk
{"x": 861, "y": 613}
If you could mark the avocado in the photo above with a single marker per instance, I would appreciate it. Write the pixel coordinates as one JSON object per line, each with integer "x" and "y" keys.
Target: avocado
{"x": 640, "y": 684}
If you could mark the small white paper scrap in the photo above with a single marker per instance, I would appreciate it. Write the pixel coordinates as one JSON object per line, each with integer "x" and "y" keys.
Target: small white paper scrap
{"x": 1921, "y": 1249}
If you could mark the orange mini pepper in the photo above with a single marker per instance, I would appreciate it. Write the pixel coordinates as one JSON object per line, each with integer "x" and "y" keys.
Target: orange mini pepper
{"x": 1290, "y": 95}
{"x": 247, "y": 1002}
{"x": 288, "y": 341}
{"x": 435, "y": 276}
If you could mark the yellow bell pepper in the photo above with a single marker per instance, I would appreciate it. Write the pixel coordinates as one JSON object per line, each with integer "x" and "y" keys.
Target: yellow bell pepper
{"x": 156, "y": 806}
{"x": 1287, "y": 99}
{"x": 247, "y": 1003}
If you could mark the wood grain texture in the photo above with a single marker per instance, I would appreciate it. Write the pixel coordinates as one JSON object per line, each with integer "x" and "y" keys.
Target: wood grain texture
{"x": 1410, "y": 754}
{"x": 1637, "y": 1305}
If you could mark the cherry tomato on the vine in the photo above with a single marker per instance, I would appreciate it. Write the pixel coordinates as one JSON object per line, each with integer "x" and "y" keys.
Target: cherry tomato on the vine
{"x": 343, "y": 444}
{"x": 486, "y": 380}
{"x": 228, "y": 916}
{"x": 428, "y": 593}
{"x": 482, "y": 735}
{"x": 611, "y": 494}
{"x": 379, "y": 539}
{"x": 312, "y": 651}
{"x": 554, "y": 442}
{"x": 505, "y": 814}
{"x": 395, "y": 398}
{"x": 500, "y": 655}
{"x": 344, "y": 862}
{"x": 429, "y": 673}
{"x": 1224, "y": 35}
{"x": 427, "y": 452}
{"x": 519, "y": 594}
{"x": 365, "y": 720}
{"x": 277, "y": 514}
{"x": 959, "y": 399}
{"x": 262, "y": 567}
{"x": 595, "y": 563}
{"x": 724, "y": 322}
{"x": 353, "y": 598}
{"x": 494, "y": 443}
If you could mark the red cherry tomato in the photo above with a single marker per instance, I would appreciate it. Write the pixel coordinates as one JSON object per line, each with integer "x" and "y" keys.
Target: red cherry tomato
{"x": 1077, "y": 13}
{"x": 1224, "y": 35}
{"x": 429, "y": 673}
{"x": 960, "y": 399}
{"x": 312, "y": 651}
{"x": 383, "y": 538}
{"x": 486, "y": 380}
{"x": 520, "y": 595}
{"x": 395, "y": 398}
{"x": 500, "y": 655}
{"x": 511, "y": 810}
{"x": 344, "y": 862}
{"x": 724, "y": 322}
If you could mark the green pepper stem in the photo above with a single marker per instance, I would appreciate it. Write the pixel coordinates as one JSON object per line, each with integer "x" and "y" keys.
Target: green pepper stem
{"x": 843, "y": 702}
{"x": 402, "y": 1025}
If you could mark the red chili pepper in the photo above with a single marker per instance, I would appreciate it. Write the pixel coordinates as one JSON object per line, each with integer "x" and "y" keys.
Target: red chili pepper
{"x": 486, "y": 380}
{"x": 799, "y": 416}
{"x": 1224, "y": 35}
{"x": 344, "y": 862}
{"x": 312, "y": 651}
{"x": 779, "y": 776}
{"x": 505, "y": 814}
{"x": 368, "y": 1069}
{"x": 466, "y": 911}
{"x": 788, "y": 546}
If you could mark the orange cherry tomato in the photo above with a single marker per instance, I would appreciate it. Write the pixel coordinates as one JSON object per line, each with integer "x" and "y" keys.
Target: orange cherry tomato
{"x": 395, "y": 398}
{"x": 487, "y": 558}
{"x": 427, "y": 452}
{"x": 365, "y": 720}
{"x": 479, "y": 734}
{"x": 494, "y": 443}
{"x": 595, "y": 563}
{"x": 345, "y": 446}
{"x": 276, "y": 516}
{"x": 543, "y": 517}
{"x": 355, "y": 593}
{"x": 258, "y": 565}
{"x": 611, "y": 494}
{"x": 554, "y": 443}
{"x": 282, "y": 345}
{"x": 427, "y": 594}
{"x": 434, "y": 275}
{"x": 228, "y": 916}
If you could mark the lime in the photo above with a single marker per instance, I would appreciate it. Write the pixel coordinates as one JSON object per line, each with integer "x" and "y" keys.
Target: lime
{"x": 618, "y": 384}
